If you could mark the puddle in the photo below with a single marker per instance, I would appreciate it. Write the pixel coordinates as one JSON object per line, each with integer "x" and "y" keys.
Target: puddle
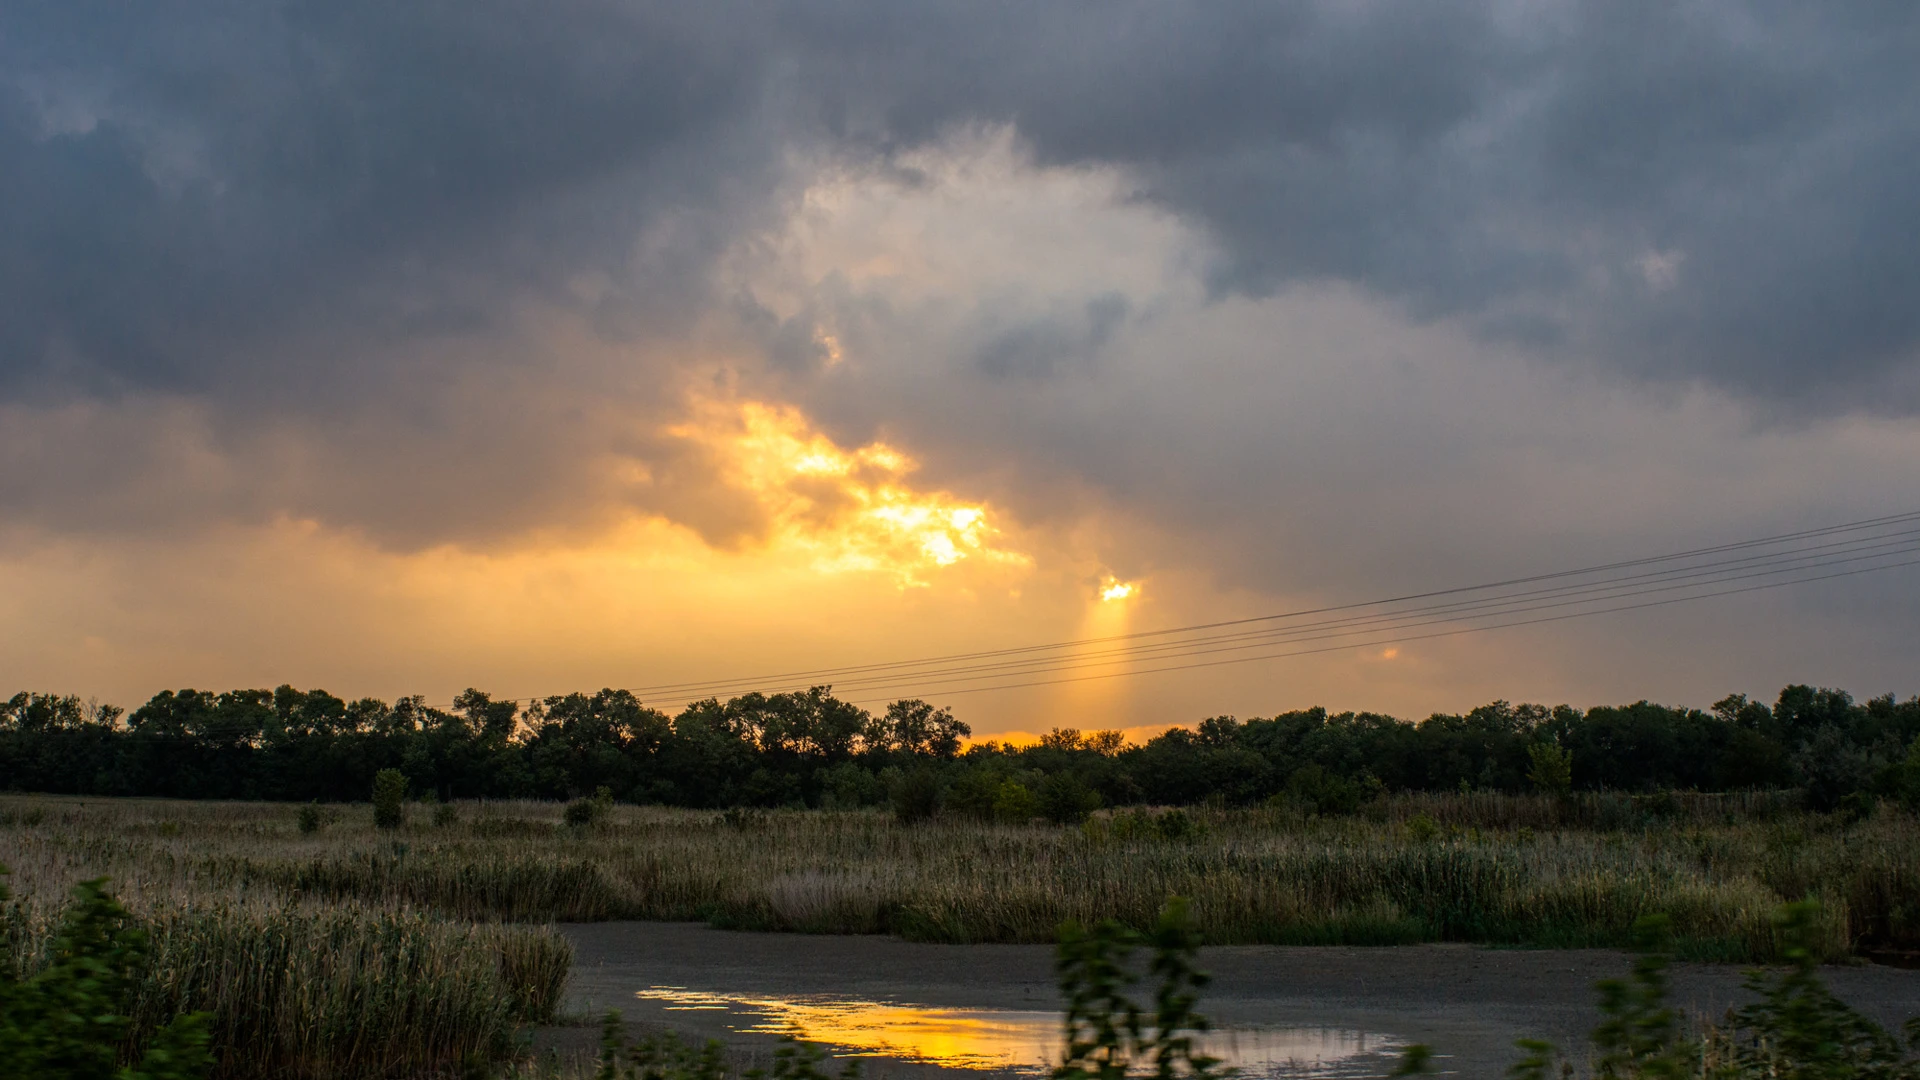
{"x": 1014, "y": 1040}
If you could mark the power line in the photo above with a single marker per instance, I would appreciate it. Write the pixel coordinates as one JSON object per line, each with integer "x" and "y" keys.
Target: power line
{"x": 1394, "y": 637}
{"x": 1798, "y": 557}
{"x": 1781, "y": 563}
{"x": 1415, "y": 637}
{"x": 836, "y": 674}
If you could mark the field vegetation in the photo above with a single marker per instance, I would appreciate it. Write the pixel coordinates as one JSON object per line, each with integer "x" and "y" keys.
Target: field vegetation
{"x": 332, "y": 937}
{"x": 295, "y": 985}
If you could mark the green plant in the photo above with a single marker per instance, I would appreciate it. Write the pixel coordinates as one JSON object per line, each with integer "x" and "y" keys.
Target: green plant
{"x": 68, "y": 1021}
{"x": 1176, "y": 824}
{"x": 1065, "y": 799}
{"x": 1640, "y": 1035}
{"x": 658, "y": 1057}
{"x": 665, "y": 1056}
{"x": 1422, "y": 829}
{"x": 445, "y": 815}
{"x": 1550, "y": 768}
{"x": 1312, "y": 789}
{"x": 1014, "y": 804}
{"x": 1798, "y": 1030}
{"x": 1105, "y": 1031}
{"x": 309, "y": 819}
{"x": 389, "y": 799}
{"x": 582, "y": 813}
{"x": 915, "y": 794}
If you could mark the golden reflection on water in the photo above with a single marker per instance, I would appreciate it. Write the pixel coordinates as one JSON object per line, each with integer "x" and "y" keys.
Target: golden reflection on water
{"x": 1021, "y": 1040}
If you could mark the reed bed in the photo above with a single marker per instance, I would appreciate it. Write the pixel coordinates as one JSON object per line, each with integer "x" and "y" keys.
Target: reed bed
{"x": 298, "y": 986}
{"x": 355, "y": 952}
{"x": 1473, "y": 867}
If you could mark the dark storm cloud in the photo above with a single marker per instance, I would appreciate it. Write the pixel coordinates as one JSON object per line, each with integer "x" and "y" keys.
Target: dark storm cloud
{"x": 1718, "y": 190}
{"x": 195, "y": 192}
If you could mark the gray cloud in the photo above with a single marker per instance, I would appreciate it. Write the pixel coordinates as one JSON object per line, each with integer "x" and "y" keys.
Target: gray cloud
{"x": 197, "y": 188}
{"x": 205, "y": 197}
{"x": 333, "y": 231}
{"x": 1522, "y": 164}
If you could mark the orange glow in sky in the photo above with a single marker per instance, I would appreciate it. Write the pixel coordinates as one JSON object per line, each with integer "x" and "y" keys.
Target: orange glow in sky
{"x": 846, "y": 509}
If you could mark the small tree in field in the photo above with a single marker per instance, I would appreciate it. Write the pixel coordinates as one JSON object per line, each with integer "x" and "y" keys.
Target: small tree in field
{"x": 389, "y": 798}
{"x": 1551, "y": 768}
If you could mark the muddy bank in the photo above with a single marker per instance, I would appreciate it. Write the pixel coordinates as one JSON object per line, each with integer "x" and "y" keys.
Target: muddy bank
{"x": 1469, "y": 1003}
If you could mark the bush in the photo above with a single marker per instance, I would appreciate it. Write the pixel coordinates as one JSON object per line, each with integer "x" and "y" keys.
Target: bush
{"x": 1901, "y": 780}
{"x": 847, "y": 786}
{"x": 1014, "y": 803}
{"x": 1066, "y": 800}
{"x": 1550, "y": 768}
{"x": 445, "y": 815}
{"x": 1106, "y": 1032}
{"x": 1422, "y": 829}
{"x": 1176, "y": 824}
{"x": 309, "y": 819}
{"x": 69, "y": 1020}
{"x": 974, "y": 793}
{"x": 1313, "y": 790}
{"x": 915, "y": 795}
{"x": 389, "y": 799}
{"x": 1796, "y": 1030}
{"x": 582, "y": 813}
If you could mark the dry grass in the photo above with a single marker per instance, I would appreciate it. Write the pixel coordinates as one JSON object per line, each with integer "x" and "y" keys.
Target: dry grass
{"x": 353, "y": 952}
{"x": 1488, "y": 868}
{"x": 298, "y": 986}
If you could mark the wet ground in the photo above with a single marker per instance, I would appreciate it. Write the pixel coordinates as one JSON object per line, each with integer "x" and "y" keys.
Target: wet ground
{"x": 947, "y": 1012}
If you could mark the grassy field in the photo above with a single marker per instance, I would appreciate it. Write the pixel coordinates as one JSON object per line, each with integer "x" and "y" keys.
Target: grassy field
{"x": 351, "y": 951}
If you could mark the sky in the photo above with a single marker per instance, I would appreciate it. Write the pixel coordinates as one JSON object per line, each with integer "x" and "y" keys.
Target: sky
{"x": 397, "y": 348}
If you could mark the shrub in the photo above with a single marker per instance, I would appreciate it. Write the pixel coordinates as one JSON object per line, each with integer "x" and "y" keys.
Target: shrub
{"x": 1797, "y": 1030}
{"x": 445, "y": 815}
{"x": 1013, "y": 803}
{"x": 1314, "y": 790}
{"x": 389, "y": 799}
{"x": 1550, "y": 768}
{"x": 847, "y": 786}
{"x": 973, "y": 795}
{"x": 582, "y": 813}
{"x": 69, "y": 1020}
{"x": 1176, "y": 824}
{"x": 1066, "y": 800}
{"x": 1106, "y": 1032}
{"x": 1422, "y": 829}
{"x": 309, "y": 819}
{"x": 658, "y": 1057}
{"x": 1902, "y": 779}
{"x": 915, "y": 795}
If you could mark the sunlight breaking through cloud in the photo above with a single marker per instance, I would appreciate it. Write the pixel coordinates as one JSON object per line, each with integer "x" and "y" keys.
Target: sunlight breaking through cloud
{"x": 851, "y": 509}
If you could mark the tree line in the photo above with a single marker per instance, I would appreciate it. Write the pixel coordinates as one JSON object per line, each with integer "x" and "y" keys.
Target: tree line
{"x": 810, "y": 748}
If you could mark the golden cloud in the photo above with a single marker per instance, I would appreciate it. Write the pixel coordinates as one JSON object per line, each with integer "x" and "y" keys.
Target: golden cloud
{"x": 844, "y": 509}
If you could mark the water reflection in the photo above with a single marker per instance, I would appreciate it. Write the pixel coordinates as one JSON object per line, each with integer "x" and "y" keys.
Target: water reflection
{"x": 1013, "y": 1040}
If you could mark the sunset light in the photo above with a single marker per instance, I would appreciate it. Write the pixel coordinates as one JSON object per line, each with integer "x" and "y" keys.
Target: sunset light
{"x": 640, "y": 517}
{"x": 850, "y": 509}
